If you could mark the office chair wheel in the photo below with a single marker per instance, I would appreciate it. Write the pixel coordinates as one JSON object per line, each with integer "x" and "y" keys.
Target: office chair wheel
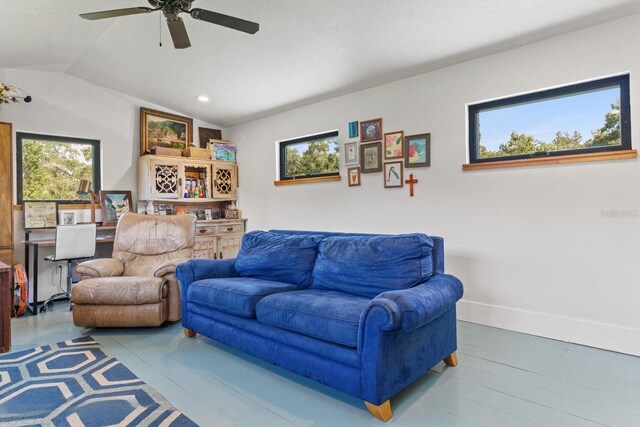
{"x": 43, "y": 309}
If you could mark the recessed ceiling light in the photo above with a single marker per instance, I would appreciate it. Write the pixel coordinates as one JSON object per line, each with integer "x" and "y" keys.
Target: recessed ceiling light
{"x": 203, "y": 98}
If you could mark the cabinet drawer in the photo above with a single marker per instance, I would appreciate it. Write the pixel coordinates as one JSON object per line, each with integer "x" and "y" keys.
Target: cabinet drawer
{"x": 233, "y": 228}
{"x": 206, "y": 230}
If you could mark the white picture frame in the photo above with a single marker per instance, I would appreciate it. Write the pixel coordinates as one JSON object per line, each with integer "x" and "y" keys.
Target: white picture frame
{"x": 68, "y": 218}
{"x": 351, "y": 153}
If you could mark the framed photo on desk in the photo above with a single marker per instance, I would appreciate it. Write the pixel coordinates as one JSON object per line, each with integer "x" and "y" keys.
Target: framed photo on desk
{"x": 40, "y": 214}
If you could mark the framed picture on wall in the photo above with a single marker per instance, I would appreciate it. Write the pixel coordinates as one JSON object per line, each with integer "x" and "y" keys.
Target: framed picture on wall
{"x": 371, "y": 157}
{"x": 394, "y": 145}
{"x": 393, "y": 175}
{"x": 114, "y": 204}
{"x": 354, "y": 176}
{"x": 160, "y": 129}
{"x": 417, "y": 150}
{"x": 371, "y": 130}
{"x": 67, "y": 217}
{"x": 351, "y": 153}
{"x": 40, "y": 214}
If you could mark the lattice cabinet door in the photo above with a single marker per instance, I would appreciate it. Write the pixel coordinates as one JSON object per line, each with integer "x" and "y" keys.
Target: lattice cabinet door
{"x": 224, "y": 180}
{"x": 205, "y": 247}
{"x": 166, "y": 179}
{"x": 229, "y": 246}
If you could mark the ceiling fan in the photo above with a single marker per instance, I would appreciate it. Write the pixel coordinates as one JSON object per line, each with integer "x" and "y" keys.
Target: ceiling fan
{"x": 171, "y": 9}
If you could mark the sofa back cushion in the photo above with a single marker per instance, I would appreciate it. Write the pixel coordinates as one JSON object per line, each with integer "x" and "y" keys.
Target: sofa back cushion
{"x": 280, "y": 257}
{"x": 369, "y": 265}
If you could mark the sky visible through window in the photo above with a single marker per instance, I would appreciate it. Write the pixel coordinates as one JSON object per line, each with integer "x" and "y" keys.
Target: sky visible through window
{"x": 543, "y": 119}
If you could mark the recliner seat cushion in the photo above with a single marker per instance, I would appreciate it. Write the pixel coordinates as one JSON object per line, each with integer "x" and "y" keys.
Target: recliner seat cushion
{"x": 282, "y": 258}
{"x": 234, "y": 295}
{"x": 328, "y": 315}
{"x": 369, "y": 265}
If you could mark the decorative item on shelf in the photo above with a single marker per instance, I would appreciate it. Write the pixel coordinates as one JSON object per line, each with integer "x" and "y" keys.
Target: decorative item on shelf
{"x": 208, "y": 214}
{"x": 182, "y": 210}
{"x": 417, "y": 150}
{"x": 160, "y": 129}
{"x": 84, "y": 189}
{"x": 353, "y": 129}
{"x": 393, "y": 175}
{"x": 40, "y": 214}
{"x": 371, "y": 157}
{"x": 67, "y": 218}
{"x": 411, "y": 181}
{"x": 150, "y": 210}
{"x": 10, "y": 93}
{"x": 351, "y": 153}
{"x": 167, "y": 151}
{"x": 232, "y": 211}
{"x": 196, "y": 153}
{"x": 115, "y": 203}
{"x": 223, "y": 150}
{"x": 393, "y": 145}
{"x": 371, "y": 130}
{"x": 354, "y": 176}
{"x": 165, "y": 209}
{"x": 206, "y": 134}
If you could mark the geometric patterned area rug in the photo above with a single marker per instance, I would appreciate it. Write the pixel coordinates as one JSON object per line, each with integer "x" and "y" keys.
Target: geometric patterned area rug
{"x": 77, "y": 383}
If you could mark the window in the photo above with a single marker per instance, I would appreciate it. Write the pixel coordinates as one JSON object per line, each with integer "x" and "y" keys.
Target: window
{"x": 577, "y": 119}
{"x": 313, "y": 156}
{"x": 50, "y": 167}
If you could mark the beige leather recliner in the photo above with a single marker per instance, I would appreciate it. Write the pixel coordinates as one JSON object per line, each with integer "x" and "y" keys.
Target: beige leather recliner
{"x": 137, "y": 286}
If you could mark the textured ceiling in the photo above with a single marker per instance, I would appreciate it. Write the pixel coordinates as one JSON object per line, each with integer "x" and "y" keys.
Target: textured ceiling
{"x": 305, "y": 50}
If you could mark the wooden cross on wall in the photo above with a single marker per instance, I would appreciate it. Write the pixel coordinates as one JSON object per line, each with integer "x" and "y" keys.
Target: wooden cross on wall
{"x": 411, "y": 181}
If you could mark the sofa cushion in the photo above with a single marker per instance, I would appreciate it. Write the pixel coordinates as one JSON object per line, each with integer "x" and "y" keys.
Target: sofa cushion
{"x": 328, "y": 315}
{"x": 279, "y": 257}
{"x": 234, "y": 295}
{"x": 369, "y": 265}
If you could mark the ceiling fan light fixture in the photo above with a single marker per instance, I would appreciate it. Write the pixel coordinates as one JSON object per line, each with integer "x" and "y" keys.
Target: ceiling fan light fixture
{"x": 202, "y": 98}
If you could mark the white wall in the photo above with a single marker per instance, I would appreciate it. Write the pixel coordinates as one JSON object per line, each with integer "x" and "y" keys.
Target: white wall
{"x": 67, "y": 106}
{"x": 531, "y": 244}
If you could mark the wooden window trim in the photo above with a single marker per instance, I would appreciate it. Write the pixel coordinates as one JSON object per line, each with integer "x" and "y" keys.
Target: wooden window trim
{"x": 307, "y": 180}
{"x": 556, "y": 160}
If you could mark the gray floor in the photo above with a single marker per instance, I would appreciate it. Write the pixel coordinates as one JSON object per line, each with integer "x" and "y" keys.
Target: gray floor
{"x": 503, "y": 379}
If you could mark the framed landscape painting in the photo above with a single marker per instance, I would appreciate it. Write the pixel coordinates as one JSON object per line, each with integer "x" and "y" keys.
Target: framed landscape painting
{"x": 417, "y": 150}
{"x": 114, "y": 204}
{"x": 160, "y": 129}
{"x": 394, "y": 145}
{"x": 371, "y": 157}
{"x": 371, "y": 130}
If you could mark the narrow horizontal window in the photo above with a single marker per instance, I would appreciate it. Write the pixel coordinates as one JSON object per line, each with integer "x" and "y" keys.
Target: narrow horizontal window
{"x": 312, "y": 156}
{"x": 51, "y": 167}
{"x": 582, "y": 118}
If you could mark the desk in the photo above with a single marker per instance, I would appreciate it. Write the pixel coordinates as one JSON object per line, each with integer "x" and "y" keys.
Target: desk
{"x": 6, "y": 304}
{"x": 45, "y": 243}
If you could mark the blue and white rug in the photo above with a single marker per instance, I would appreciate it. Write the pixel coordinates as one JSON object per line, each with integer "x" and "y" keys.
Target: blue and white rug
{"x": 76, "y": 383}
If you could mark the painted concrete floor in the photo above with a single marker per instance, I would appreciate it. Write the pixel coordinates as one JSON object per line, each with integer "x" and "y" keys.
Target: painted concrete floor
{"x": 504, "y": 379}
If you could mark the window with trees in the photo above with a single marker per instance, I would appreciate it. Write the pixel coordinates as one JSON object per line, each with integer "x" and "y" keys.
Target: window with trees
{"x": 51, "y": 167}
{"x": 576, "y": 119}
{"x": 311, "y": 156}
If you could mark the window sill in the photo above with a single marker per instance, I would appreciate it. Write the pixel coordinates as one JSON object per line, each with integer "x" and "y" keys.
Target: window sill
{"x": 307, "y": 180}
{"x": 557, "y": 160}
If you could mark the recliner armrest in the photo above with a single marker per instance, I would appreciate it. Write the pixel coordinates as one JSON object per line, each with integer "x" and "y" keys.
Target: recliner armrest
{"x": 198, "y": 269}
{"x": 101, "y": 267}
{"x": 169, "y": 266}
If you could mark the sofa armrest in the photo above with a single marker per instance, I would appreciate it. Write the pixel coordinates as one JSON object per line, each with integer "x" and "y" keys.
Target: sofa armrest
{"x": 101, "y": 267}
{"x": 198, "y": 269}
{"x": 169, "y": 266}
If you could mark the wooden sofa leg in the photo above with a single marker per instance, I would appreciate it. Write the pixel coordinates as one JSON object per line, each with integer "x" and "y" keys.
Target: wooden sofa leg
{"x": 381, "y": 412}
{"x": 451, "y": 360}
{"x": 189, "y": 333}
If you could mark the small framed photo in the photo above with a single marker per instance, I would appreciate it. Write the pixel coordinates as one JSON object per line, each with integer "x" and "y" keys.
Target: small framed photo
{"x": 371, "y": 130}
{"x": 371, "y": 157}
{"x": 40, "y": 214}
{"x": 223, "y": 150}
{"x": 417, "y": 150}
{"x": 208, "y": 214}
{"x": 351, "y": 153}
{"x": 393, "y": 175}
{"x": 354, "y": 176}
{"x": 67, "y": 217}
{"x": 394, "y": 145}
{"x": 115, "y": 203}
{"x": 353, "y": 129}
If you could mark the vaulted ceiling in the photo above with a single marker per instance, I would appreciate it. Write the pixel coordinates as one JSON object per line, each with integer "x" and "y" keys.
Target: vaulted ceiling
{"x": 305, "y": 50}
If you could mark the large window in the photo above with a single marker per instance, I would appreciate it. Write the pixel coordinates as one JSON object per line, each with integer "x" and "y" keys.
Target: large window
{"x": 50, "y": 167}
{"x": 581, "y": 118}
{"x": 309, "y": 157}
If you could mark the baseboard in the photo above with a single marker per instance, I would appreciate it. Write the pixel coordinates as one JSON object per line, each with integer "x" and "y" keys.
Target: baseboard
{"x": 593, "y": 334}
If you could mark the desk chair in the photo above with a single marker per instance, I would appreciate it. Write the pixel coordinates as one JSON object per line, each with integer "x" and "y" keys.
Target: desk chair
{"x": 73, "y": 242}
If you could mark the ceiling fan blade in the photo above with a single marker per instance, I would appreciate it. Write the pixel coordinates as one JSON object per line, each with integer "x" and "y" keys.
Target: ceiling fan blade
{"x": 178, "y": 33}
{"x": 115, "y": 13}
{"x": 225, "y": 20}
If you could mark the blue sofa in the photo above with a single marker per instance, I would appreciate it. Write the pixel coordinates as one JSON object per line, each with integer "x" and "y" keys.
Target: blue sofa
{"x": 365, "y": 314}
